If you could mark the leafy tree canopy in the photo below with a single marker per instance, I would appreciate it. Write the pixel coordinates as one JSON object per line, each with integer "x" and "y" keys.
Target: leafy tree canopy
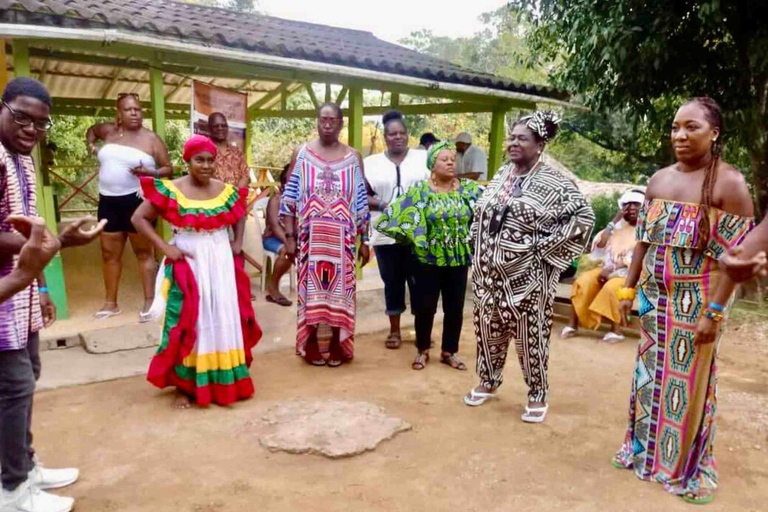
{"x": 637, "y": 59}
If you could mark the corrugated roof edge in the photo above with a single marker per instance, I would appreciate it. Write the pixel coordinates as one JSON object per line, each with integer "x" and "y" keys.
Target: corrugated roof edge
{"x": 18, "y": 12}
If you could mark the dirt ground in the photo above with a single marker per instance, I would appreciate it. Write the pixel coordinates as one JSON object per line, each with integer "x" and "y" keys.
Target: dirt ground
{"x": 137, "y": 454}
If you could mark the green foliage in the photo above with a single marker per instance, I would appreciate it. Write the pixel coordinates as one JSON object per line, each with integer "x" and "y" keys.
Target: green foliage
{"x": 605, "y": 208}
{"x": 638, "y": 58}
{"x": 499, "y": 49}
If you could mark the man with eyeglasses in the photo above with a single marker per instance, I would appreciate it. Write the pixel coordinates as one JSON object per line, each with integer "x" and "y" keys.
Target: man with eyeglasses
{"x": 24, "y": 120}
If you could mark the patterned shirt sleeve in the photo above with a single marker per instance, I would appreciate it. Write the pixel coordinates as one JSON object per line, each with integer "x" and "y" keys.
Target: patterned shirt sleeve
{"x": 290, "y": 196}
{"x": 575, "y": 221}
{"x": 404, "y": 220}
{"x": 362, "y": 214}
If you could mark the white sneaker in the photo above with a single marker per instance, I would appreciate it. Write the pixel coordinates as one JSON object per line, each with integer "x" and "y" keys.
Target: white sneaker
{"x": 44, "y": 478}
{"x": 28, "y": 498}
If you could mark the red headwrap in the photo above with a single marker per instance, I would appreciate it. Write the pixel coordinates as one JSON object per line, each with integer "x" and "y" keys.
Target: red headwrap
{"x": 198, "y": 144}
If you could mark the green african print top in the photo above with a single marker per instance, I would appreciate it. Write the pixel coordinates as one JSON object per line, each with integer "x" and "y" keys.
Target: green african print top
{"x": 437, "y": 225}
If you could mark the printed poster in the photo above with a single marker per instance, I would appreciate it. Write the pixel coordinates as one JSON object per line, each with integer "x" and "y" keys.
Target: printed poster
{"x": 207, "y": 99}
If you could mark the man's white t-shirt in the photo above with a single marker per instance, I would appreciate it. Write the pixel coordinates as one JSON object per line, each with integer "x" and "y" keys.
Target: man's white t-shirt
{"x": 474, "y": 159}
{"x": 381, "y": 174}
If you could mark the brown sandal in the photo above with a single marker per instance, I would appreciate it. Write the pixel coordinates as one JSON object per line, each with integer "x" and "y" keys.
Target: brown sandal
{"x": 393, "y": 341}
{"x": 453, "y": 361}
{"x": 279, "y": 300}
{"x": 421, "y": 361}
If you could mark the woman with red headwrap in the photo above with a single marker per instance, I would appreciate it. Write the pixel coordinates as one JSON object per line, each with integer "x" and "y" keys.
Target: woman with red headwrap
{"x": 209, "y": 327}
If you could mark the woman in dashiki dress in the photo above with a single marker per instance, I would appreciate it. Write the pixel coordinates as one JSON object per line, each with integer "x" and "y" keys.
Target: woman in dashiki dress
{"x": 694, "y": 212}
{"x": 209, "y": 327}
{"x": 325, "y": 201}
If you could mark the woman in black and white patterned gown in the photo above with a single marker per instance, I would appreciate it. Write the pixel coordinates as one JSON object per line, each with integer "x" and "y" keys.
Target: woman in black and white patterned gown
{"x": 529, "y": 225}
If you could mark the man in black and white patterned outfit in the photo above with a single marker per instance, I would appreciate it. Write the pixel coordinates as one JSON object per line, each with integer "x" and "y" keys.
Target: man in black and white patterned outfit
{"x": 531, "y": 223}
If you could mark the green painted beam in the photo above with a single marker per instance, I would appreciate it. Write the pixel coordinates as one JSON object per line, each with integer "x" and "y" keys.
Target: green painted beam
{"x": 284, "y": 100}
{"x": 424, "y": 109}
{"x": 111, "y": 103}
{"x": 267, "y": 98}
{"x": 496, "y": 147}
{"x": 111, "y": 112}
{"x": 328, "y": 93}
{"x": 312, "y": 95}
{"x": 54, "y": 271}
{"x": 21, "y": 58}
{"x": 342, "y": 95}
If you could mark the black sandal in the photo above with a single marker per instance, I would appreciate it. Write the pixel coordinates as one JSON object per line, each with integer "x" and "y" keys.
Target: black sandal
{"x": 453, "y": 361}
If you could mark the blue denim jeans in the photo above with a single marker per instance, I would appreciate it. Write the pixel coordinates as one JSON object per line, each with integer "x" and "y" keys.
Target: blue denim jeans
{"x": 396, "y": 263}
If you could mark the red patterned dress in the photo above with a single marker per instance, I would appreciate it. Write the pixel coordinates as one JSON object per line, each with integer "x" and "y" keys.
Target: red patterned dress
{"x": 209, "y": 327}
{"x": 329, "y": 202}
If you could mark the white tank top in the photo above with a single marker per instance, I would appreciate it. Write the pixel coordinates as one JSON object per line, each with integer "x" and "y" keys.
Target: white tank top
{"x": 116, "y": 162}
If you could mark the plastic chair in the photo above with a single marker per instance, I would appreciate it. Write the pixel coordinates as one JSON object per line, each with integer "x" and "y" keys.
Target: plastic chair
{"x": 268, "y": 263}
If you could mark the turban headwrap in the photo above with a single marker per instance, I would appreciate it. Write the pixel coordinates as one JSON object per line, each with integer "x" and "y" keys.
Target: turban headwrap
{"x": 433, "y": 151}
{"x": 198, "y": 144}
{"x": 537, "y": 122}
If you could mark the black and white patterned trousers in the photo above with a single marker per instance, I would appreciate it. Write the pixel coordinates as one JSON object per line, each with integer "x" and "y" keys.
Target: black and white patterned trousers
{"x": 529, "y": 324}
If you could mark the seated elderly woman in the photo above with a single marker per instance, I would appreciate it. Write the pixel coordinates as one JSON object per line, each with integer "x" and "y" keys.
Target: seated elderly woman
{"x": 594, "y": 294}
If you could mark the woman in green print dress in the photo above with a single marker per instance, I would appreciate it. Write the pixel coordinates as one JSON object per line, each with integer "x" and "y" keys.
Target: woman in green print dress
{"x": 434, "y": 216}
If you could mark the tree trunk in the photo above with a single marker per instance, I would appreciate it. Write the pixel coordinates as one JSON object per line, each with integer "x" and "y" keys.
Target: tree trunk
{"x": 758, "y": 152}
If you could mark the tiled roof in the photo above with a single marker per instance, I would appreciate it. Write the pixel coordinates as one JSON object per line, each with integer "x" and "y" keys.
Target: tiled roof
{"x": 256, "y": 33}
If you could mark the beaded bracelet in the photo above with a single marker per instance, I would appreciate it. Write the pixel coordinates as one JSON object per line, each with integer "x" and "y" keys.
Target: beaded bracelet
{"x": 713, "y": 315}
{"x": 626, "y": 293}
{"x": 716, "y": 306}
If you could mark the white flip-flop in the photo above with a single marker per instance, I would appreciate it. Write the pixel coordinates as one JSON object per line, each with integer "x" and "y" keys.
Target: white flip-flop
{"x": 145, "y": 316}
{"x": 568, "y": 332}
{"x": 477, "y": 398}
{"x": 613, "y": 337}
{"x": 104, "y": 314}
{"x": 530, "y": 418}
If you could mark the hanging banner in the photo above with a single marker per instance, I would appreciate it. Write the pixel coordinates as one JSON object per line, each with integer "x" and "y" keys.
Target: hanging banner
{"x": 207, "y": 99}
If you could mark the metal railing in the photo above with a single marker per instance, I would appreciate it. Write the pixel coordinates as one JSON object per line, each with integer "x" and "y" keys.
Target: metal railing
{"x": 262, "y": 181}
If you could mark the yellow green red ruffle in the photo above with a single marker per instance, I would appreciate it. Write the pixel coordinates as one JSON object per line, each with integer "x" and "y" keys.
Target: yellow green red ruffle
{"x": 206, "y": 215}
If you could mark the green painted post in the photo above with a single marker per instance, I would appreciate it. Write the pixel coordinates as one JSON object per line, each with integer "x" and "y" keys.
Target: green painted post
{"x": 395, "y": 100}
{"x": 328, "y": 93}
{"x": 355, "y": 137}
{"x": 54, "y": 272}
{"x": 355, "y": 134}
{"x": 157, "y": 96}
{"x": 496, "y": 141}
{"x": 248, "y": 139}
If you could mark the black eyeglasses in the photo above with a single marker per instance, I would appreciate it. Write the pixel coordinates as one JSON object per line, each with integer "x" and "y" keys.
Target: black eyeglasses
{"x": 22, "y": 119}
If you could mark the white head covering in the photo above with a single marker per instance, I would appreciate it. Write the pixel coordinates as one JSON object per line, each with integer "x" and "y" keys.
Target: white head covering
{"x": 632, "y": 195}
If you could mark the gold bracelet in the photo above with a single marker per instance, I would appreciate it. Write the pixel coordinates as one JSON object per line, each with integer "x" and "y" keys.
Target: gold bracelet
{"x": 626, "y": 293}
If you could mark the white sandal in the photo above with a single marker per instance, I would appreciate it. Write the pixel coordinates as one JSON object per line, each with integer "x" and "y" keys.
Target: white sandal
{"x": 528, "y": 417}
{"x": 613, "y": 337}
{"x": 568, "y": 332}
{"x": 103, "y": 314}
{"x": 477, "y": 398}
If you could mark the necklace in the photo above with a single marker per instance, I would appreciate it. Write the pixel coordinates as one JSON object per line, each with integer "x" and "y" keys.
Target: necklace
{"x": 514, "y": 185}
{"x": 438, "y": 188}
